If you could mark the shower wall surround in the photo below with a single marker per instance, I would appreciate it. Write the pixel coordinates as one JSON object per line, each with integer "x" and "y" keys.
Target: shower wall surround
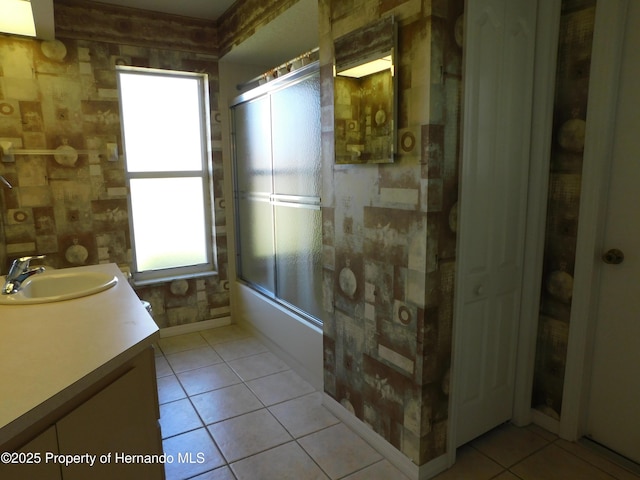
{"x": 390, "y": 234}
{"x": 74, "y": 208}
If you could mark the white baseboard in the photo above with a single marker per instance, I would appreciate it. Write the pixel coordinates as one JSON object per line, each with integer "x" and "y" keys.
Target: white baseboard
{"x": 194, "y": 327}
{"x": 388, "y": 451}
{"x": 545, "y": 421}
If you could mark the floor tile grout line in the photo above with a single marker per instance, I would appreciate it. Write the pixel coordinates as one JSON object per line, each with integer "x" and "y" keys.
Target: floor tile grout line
{"x": 534, "y": 452}
{"x": 215, "y": 443}
{"x": 258, "y": 453}
{"x": 194, "y": 347}
{"x": 187, "y": 395}
{"x": 309, "y": 455}
{"x": 297, "y": 440}
{"x": 204, "y": 426}
{"x": 367, "y": 466}
{"x": 266, "y": 407}
{"x": 598, "y": 467}
{"x": 508, "y": 471}
{"x": 537, "y": 450}
{"x": 361, "y": 469}
{"x": 508, "y": 468}
{"x": 244, "y": 382}
{"x": 293, "y": 438}
{"x": 222, "y": 360}
{"x": 533, "y": 430}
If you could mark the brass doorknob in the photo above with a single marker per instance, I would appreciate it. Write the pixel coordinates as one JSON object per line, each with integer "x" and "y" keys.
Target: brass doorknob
{"x": 613, "y": 256}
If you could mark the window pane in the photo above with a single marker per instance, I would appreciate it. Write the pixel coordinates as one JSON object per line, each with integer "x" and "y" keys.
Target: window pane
{"x": 161, "y": 122}
{"x": 168, "y": 222}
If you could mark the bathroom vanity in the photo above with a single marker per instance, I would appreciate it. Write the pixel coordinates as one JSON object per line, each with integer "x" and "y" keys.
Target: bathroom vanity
{"x": 77, "y": 377}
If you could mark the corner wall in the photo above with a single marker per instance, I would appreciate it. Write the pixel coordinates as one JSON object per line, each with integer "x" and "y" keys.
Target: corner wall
{"x": 392, "y": 229}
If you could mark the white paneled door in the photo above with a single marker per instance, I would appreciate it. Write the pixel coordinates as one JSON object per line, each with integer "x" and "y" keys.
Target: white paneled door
{"x": 614, "y": 400}
{"x": 498, "y": 83}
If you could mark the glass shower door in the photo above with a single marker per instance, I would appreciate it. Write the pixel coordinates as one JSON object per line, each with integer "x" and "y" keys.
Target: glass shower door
{"x": 278, "y": 177}
{"x": 253, "y": 192}
{"x": 296, "y": 183}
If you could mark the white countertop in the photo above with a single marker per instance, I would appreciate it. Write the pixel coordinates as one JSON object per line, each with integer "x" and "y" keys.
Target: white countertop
{"x": 51, "y": 352}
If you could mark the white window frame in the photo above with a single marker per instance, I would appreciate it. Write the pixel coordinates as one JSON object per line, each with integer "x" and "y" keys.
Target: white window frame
{"x": 205, "y": 173}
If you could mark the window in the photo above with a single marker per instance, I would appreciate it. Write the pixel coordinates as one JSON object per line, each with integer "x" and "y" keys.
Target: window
{"x": 165, "y": 127}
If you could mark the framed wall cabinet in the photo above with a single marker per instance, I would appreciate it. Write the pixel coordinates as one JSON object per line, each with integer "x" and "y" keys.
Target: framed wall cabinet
{"x": 365, "y": 94}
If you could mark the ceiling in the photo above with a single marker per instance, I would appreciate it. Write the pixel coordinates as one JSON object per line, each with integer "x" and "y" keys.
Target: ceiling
{"x": 270, "y": 46}
{"x": 205, "y": 9}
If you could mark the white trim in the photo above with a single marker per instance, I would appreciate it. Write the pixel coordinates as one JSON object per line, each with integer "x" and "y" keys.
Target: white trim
{"x": 194, "y": 327}
{"x": 296, "y": 340}
{"x": 545, "y": 421}
{"x": 608, "y": 41}
{"x": 204, "y": 174}
{"x": 547, "y": 32}
{"x": 384, "y": 448}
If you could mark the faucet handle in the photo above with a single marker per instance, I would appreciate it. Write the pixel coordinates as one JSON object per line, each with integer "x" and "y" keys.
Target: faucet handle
{"x": 28, "y": 258}
{"x": 23, "y": 262}
{"x": 18, "y": 272}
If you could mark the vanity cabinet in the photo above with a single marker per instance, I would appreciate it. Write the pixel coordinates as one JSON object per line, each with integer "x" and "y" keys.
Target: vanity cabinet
{"x": 111, "y": 420}
{"x": 78, "y": 378}
{"x": 47, "y": 441}
{"x": 121, "y": 419}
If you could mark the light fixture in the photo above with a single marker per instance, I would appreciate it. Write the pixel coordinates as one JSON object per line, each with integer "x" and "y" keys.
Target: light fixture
{"x": 374, "y": 66}
{"x": 32, "y": 18}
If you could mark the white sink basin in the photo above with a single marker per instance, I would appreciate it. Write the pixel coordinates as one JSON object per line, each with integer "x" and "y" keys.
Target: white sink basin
{"x": 58, "y": 285}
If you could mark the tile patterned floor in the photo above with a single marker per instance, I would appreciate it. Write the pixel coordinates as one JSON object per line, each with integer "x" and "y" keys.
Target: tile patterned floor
{"x": 243, "y": 414}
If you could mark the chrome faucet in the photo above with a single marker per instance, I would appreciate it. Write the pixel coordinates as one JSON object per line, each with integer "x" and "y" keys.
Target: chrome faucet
{"x": 19, "y": 272}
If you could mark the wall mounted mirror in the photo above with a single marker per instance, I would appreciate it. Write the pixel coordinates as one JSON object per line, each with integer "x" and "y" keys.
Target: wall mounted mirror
{"x": 365, "y": 94}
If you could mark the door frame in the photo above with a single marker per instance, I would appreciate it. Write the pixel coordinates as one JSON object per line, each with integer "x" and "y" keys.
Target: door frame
{"x": 608, "y": 42}
{"x": 547, "y": 30}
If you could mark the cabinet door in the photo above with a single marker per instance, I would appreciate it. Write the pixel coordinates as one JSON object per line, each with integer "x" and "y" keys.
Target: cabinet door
{"x": 43, "y": 443}
{"x": 120, "y": 419}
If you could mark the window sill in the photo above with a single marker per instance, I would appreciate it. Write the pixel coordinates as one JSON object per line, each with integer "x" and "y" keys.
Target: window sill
{"x": 170, "y": 278}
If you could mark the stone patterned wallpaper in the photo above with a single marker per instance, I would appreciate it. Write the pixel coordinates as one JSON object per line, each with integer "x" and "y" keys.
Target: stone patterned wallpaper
{"x": 388, "y": 230}
{"x": 73, "y": 208}
{"x": 244, "y": 18}
{"x": 570, "y": 113}
{"x": 389, "y": 235}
